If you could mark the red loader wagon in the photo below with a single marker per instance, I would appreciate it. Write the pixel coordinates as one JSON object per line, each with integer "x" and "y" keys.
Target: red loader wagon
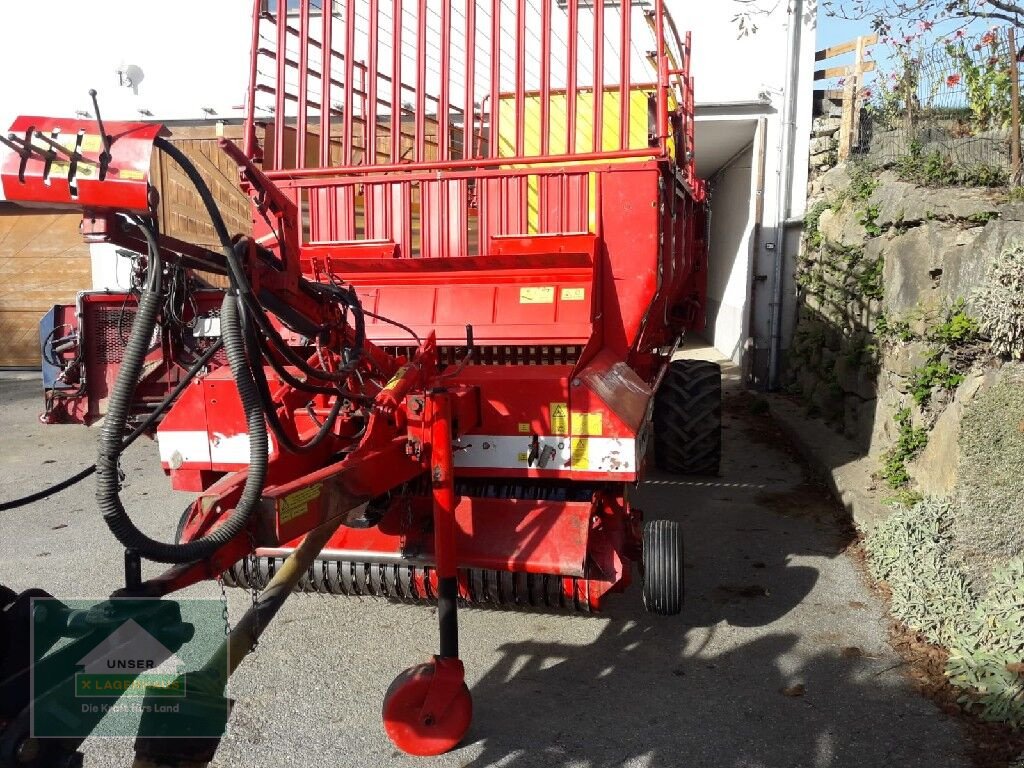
{"x": 433, "y": 368}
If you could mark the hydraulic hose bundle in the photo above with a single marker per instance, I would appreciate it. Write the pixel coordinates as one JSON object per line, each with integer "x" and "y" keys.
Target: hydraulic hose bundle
{"x": 249, "y": 339}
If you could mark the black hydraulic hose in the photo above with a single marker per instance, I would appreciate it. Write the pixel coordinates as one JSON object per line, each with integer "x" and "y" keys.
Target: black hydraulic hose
{"x": 236, "y": 273}
{"x": 55, "y": 488}
{"x": 140, "y": 430}
{"x": 270, "y": 410}
{"x": 285, "y": 350}
{"x": 108, "y": 482}
{"x": 189, "y": 169}
{"x": 303, "y": 386}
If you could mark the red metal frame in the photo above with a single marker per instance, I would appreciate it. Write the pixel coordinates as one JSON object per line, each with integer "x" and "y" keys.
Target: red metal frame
{"x": 571, "y": 267}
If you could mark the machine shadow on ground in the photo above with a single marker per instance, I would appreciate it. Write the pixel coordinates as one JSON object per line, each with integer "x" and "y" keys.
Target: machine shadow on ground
{"x": 778, "y": 659}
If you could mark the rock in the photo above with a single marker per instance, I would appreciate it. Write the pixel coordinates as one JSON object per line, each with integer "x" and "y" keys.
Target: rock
{"x": 851, "y": 415}
{"x": 821, "y": 145}
{"x": 807, "y": 381}
{"x": 841, "y": 227}
{"x": 912, "y": 262}
{"x": 935, "y": 470}
{"x": 822, "y": 126}
{"x": 1012, "y": 212}
{"x": 902, "y": 202}
{"x": 835, "y": 181}
{"x": 855, "y": 379}
{"x": 883, "y": 426}
{"x": 967, "y": 273}
{"x": 829, "y": 401}
{"x": 865, "y": 423}
{"x": 901, "y": 359}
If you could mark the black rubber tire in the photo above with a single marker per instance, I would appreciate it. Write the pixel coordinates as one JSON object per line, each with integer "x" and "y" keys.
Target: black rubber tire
{"x": 663, "y": 567}
{"x": 181, "y": 524}
{"x": 688, "y": 419}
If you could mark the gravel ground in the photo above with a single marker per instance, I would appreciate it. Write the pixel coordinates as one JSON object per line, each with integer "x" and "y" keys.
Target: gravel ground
{"x": 773, "y": 604}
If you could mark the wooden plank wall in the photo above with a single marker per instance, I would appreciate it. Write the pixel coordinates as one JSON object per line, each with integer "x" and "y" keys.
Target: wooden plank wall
{"x": 181, "y": 212}
{"x": 43, "y": 261}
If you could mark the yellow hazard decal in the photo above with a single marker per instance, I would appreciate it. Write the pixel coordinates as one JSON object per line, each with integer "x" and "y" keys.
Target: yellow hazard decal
{"x": 586, "y": 424}
{"x": 545, "y": 295}
{"x": 296, "y": 504}
{"x": 580, "y": 453}
{"x": 523, "y": 456}
{"x": 397, "y": 377}
{"x": 524, "y": 428}
{"x": 573, "y": 294}
{"x": 91, "y": 143}
{"x": 131, "y": 173}
{"x": 559, "y": 418}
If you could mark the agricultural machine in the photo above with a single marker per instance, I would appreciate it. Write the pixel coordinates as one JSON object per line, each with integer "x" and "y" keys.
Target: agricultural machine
{"x": 432, "y": 368}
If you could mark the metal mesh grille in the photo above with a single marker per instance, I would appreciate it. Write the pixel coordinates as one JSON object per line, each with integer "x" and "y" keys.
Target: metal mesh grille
{"x": 107, "y": 332}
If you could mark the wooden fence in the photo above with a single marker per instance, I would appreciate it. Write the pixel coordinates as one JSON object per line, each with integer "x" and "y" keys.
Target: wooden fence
{"x": 851, "y": 90}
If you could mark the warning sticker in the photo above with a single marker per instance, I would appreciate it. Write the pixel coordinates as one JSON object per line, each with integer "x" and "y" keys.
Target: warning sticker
{"x": 131, "y": 173}
{"x": 580, "y": 453}
{"x": 524, "y": 428}
{"x": 297, "y": 504}
{"x": 586, "y": 424}
{"x": 397, "y": 378}
{"x": 523, "y": 456}
{"x": 545, "y": 295}
{"x": 91, "y": 143}
{"x": 573, "y": 294}
{"x": 559, "y": 418}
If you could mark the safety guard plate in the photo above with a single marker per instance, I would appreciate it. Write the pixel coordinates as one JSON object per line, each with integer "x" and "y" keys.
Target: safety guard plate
{"x": 76, "y": 176}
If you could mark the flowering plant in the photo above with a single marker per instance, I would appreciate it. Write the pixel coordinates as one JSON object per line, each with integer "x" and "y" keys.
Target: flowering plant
{"x": 984, "y": 70}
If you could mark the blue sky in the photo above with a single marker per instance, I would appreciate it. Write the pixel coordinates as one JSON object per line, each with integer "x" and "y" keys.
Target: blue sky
{"x": 832, "y": 31}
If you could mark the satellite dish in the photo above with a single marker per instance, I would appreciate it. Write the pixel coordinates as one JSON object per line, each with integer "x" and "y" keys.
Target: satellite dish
{"x": 130, "y": 76}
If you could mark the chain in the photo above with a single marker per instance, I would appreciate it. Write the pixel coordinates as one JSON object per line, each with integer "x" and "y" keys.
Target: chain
{"x": 254, "y": 592}
{"x": 224, "y": 607}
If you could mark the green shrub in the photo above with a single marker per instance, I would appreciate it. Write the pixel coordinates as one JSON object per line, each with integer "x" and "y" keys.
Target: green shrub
{"x": 934, "y": 374}
{"x": 1000, "y": 304}
{"x": 958, "y": 329}
{"x": 888, "y": 328}
{"x": 812, "y": 220}
{"x": 910, "y": 552}
{"x": 909, "y": 444}
{"x": 981, "y": 659}
{"x": 868, "y": 218}
{"x": 990, "y": 474}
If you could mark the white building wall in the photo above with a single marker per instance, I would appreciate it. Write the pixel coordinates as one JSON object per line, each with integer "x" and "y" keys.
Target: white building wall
{"x": 193, "y": 53}
{"x": 729, "y": 275}
{"x": 738, "y": 78}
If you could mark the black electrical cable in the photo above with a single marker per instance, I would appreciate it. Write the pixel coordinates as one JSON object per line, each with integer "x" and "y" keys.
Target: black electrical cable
{"x": 287, "y": 352}
{"x": 395, "y": 323}
{"x": 136, "y": 433}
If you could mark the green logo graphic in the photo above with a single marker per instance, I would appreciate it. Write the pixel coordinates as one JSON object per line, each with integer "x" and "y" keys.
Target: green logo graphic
{"x": 128, "y": 667}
